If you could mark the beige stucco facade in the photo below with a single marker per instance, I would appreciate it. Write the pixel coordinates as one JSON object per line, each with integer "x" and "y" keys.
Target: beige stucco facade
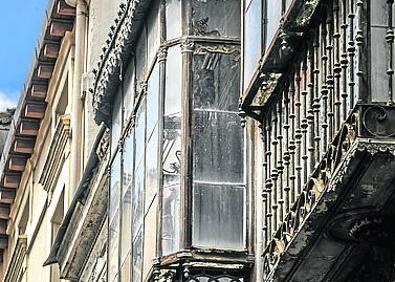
{"x": 45, "y": 192}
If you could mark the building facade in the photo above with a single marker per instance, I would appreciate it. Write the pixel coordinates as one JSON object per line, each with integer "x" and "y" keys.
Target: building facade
{"x": 203, "y": 140}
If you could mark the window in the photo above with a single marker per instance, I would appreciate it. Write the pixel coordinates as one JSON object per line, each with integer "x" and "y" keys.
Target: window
{"x": 262, "y": 19}
{"x": 253, "y": 38}
{"x": 171, "y": 151}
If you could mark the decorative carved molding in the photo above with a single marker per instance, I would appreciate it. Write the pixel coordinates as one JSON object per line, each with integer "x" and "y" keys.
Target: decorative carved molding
{"x": 187, "y": 46}
{"x": 15, "y": 266}
{"x": 102, "y": 149}
{"x": 56, "y": 157}
{"x": 117, "y": 45}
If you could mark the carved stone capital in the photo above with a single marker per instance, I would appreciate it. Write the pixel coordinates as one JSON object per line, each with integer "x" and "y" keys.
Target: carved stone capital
{"x": 187, "y": 46}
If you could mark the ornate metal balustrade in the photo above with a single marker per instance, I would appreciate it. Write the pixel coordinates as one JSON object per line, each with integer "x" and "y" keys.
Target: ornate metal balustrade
{"x": 306, "y": 108}
{"x": 321, "y": 105}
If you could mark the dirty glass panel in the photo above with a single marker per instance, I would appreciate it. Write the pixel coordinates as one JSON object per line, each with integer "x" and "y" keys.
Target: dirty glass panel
{"x": 252, "y": 39}
{"x": 173, "y": 19}
{"x": 137, "y": 264}
{"x": 128, "y": 99}
{"x": 153, "y": 32}
{"x": 126, "y": 227}
{"x": 171, "y": 149}
{"x": 218, "y": 215}
{"x": 141, "y": 59}
{"x": 380, "y": 57}
{"x": 273, "y": 12}
{"x": 218, "y": 150}
{"x": 217, "y": 18}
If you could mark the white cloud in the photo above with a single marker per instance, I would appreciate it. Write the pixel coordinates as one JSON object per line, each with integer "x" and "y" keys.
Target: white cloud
{"x": 8, "y": 100}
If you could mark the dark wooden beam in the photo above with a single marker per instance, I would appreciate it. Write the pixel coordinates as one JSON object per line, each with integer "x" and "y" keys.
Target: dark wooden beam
{"x": 64, "y": 10}
{"x": 23, "y": 145}
{"x": 7, "y": 196}
{"x": 51, "y": 50}
{"x": 4, "y": 212}
{"x": 59, "y": 28}
{"x": 3, "y": 226}
{"x": 29, "y": 127}
{"x": 3, "y": 242}
{"x": 39, "y": 91}
{"x": 11, "y": 180}
{"x": 44, "y": 71}
{"x": 17, "y": 163}
{"x": 35, "y": 110}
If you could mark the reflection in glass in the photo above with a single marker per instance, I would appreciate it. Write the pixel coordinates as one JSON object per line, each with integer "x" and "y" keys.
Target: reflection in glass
{"x": 171, "y": 149}
{"x": 273, "y": 11}
{"x": 252, "y": 39}
{"x": 218, "y": 189}
{"x": 116, "y": 123}
{"x": 128, "y": 99}
{"x": 137, "y": 257}
{"x": 126, "y": 228}
{"x": 173, "y": 19}
{"x": 152, "y": 100}
{"x": 216, "y": 18}
{"x": 113, "y": 235}
{"x": 115, "y": 185}
{"x": 141, "y": 59}
{"x": 153, "y": 32}
{"x": 151, "y": 170}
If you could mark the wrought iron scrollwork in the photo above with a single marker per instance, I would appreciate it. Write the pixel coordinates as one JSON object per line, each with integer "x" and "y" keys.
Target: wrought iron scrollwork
{"x": 379, "y": 121}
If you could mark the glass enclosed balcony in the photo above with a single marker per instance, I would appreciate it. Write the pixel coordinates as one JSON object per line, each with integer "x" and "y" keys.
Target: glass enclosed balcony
{"x": 178, "y": 192}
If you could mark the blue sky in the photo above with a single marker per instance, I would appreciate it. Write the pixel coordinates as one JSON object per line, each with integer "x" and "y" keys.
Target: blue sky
{"x": 20, "y": 26}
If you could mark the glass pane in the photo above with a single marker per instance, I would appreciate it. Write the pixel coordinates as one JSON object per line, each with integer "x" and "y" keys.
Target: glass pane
{"x": 252, "y": 39}
{"x": 151, "y": 170}
{"x": 152, "y": 100}
{"x": 129, "y": 93}
{"x": 115, "y": 185}
{"x": 173, "y": 19}
{"x": 171, "y": 149}
{"x": 216, "y": 18}
{"x": 125, "y": 270}
{"x": 126, "y": 227}
{"x": 218, "y": 216}
{"x": 380, "y": 56}
{"x": 216, "y": 80}
{"x": 153, "y": 32}
{"x": 116, "y": 125}
{"x": 113, "y": 258}
{"x": 273, "y": 11}
{"x": 137, "y": 257}
{"x": 138, "y": 198}
{"x": 140, "y": 132}
{"x": 150, "y": 230}
{"x": 141, "y": 59}
{"x": 173, "y": 81}
{"x": 218, "y": 149}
